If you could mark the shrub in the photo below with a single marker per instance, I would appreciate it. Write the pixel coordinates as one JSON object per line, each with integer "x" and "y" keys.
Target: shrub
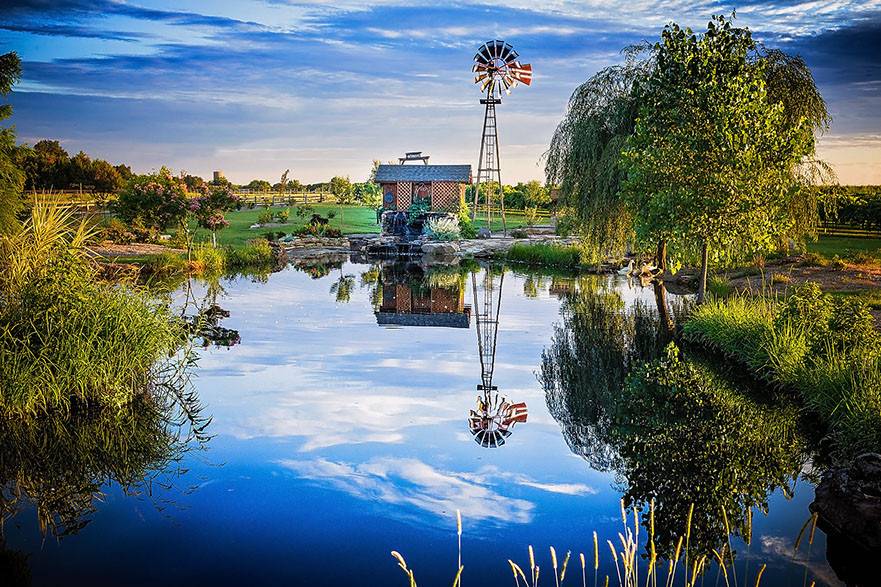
{"x": 66, "y": 336}
{"x": 466, "y": 227}
{"x": 780, "y": 279}
{"x": 265, "y": 217}
{"x": 531, "y": 214}
{"x": 418, "y": 210}
{"x": 283, "y": 215}
{"x": 566, "y": 256}
{"x": 115, "y": 230}
{"x": 157, "y": 200}
{"x": 442, "y": 229}
{"x": 207, "y": 259}
{"x": 825, "y": 349}
{"x": 519, "y": 233}
{"x": 256, "y": 253}
{"x": 719, "y": 286}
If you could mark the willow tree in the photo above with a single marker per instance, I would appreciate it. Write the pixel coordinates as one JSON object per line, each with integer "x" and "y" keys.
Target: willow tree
{"x": 11, "y": 177}
{"x": 584, "y": 158}
{"x": 712, "y": 160}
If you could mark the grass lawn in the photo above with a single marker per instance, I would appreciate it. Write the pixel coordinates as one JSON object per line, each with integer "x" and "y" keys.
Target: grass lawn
{"x": 349, "y": 219}
{"x": 843, "y": 246}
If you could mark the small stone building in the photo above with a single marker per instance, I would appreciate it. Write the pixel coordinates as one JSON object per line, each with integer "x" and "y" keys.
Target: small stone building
{"x": 442, "y": 186}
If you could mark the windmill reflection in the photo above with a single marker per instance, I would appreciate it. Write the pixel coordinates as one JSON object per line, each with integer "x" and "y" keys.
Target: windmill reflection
{"x": 410, "y": 295}
{"x": 492, "y": 422}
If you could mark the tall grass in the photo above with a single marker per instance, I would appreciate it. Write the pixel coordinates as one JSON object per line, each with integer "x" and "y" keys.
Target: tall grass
{"x": 825, "y": 349}
{"x": 631, "y": 569}
{"x": 546, "y": 254}
{"x": 65, "y": 336}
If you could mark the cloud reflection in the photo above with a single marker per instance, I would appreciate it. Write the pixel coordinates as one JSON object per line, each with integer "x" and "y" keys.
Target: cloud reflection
{"x": 411, "y": 482}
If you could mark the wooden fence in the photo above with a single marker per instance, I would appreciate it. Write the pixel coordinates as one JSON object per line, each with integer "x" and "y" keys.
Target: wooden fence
{"x": 836, "y": 229}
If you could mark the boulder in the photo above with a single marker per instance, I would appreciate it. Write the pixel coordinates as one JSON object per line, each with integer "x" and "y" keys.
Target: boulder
{"x": 848, "y": 506}
{"x": 440, "y": 249}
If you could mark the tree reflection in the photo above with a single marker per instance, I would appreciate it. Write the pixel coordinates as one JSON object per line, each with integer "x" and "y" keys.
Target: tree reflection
{"x": 60, "y": 462}
{"x": 674, "y": 429}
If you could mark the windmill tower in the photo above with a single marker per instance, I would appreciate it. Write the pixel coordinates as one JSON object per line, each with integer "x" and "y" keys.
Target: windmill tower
{"x": 495, "y": 69}
{"x": 495, "y": 416}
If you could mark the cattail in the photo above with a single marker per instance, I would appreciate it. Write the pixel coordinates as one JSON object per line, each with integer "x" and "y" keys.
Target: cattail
{"x": 458, "y": 522}
{"x": 762, "y": 570}
{"x": 554, "y": 558}
{"x": 565, "y": 564}
{"x": 596, "y": 552}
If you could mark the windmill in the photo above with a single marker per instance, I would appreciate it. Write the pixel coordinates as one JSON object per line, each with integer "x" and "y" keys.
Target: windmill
{"x": 495, "y": 416}
{"x": 495, "y": 69}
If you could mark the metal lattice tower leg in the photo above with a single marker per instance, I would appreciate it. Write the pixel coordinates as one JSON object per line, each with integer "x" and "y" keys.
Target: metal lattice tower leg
{"x": 489, "y": 164}
{"x": 486, "y": 310}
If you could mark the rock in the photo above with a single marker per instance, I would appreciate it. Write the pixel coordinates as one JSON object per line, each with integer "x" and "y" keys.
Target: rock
{"x": 484, "y": 232}
{"x": 439, "y": 249}
{"x": 848, "y": 506}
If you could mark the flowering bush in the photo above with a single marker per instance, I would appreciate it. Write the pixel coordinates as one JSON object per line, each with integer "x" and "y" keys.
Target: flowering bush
{"x": 210, "y": 209}
{"x": 442, "y": 229}
{"x": 156, "y": 200}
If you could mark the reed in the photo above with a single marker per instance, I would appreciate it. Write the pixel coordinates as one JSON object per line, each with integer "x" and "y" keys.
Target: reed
{"x": 546, "y": 254}
{"x": 824, "y": 349}
{"x": 67, "y": 337}
{"x": 626, "y": 560}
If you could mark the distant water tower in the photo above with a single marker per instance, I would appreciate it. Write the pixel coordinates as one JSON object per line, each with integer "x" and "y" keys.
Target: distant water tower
{"x": 218, "y": 176}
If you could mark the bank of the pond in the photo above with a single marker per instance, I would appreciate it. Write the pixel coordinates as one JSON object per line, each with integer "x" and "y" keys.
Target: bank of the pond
{"x": 67, "y": 337}
{"x": 824, "y": 348}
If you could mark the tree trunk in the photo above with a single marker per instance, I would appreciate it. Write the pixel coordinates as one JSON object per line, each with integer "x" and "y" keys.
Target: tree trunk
{"x": 702, "y": 283}
{"x": 663, "y": 310}
{"x": 662, "y": 255}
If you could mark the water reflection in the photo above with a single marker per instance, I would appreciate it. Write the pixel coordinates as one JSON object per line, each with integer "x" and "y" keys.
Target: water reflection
{"x": 701, "y": 439}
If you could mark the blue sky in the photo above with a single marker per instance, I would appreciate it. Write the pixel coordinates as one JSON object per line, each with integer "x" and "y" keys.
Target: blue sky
{"x": 257, "y": 86}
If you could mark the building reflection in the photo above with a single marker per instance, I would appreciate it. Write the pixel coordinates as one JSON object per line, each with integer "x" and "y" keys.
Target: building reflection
{"x": 413, "y": 297}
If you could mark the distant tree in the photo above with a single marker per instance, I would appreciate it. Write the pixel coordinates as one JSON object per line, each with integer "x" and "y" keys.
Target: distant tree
{"x": 342, "y": 188}
{"x": 195, "y": 184}
{"x": 51, "y": 165}
{"x": 157, "y": 200}
{"x": 105, "y": 177}
{"x": 11, "y": 177}
{"x": 79, "y": 171}
{"x": 373, "y": 169}
{"x": 125, "y": 172}
{"x": 369, "y": 194}
{"x": 259, "y": 185}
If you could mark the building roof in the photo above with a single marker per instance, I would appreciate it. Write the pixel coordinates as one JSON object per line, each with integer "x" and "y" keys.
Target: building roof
{"x": 395, "y": 173}
{"x": 441, "y": 319}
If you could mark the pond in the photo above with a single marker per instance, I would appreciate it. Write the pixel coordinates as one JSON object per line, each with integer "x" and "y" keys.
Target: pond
{"x": 348, "y": 420}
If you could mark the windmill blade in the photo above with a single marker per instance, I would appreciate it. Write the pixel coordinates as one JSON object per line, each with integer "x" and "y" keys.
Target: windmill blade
{"x": 483, "y": 54}
{"x": 505, "y": 52}
{"x": 479, "y": 78}
{"x": 497, "y": 48}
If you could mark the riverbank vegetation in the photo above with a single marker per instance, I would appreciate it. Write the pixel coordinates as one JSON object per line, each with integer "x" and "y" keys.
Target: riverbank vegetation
{"x": 824, "y": 348}
{"x": 67, "y": 337}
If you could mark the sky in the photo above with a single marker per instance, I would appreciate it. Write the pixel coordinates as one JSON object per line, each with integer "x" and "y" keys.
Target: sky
{"x": 254, "y": 87}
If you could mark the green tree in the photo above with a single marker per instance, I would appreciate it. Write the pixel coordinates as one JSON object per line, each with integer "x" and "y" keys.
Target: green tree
{"x": 51, "y": 166}
{"x": 342, "y": 188}
{"x": 584, "y": 155}
{"x": 369, "y": 194}
{"x": 711, "y": 162}
{"x": 259, "y": 185}
{"x": 105, "y": 177}
{"x": 79, "y": 171}
{"x": 11, "y": 177}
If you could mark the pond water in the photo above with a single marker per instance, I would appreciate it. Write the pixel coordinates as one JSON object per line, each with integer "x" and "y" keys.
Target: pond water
{"x": 347, "y": 422}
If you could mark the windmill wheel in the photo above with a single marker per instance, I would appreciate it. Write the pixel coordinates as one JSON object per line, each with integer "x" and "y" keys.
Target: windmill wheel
{"x": 496, "y": 68}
